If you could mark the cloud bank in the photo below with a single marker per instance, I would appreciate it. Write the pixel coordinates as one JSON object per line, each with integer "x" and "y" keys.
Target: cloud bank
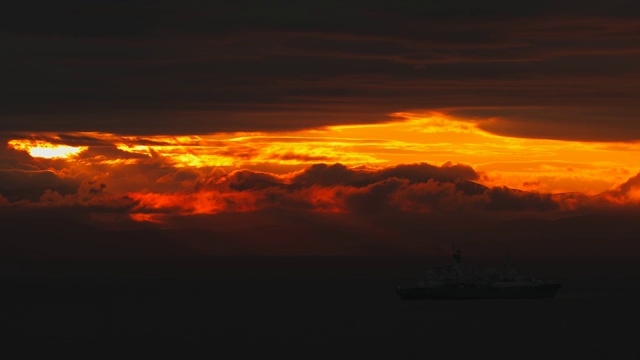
{"x": 556, "y": 70}
{"x": 412, "y": 188}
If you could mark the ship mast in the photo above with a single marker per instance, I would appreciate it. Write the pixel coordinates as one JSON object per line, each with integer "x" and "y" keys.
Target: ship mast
{"x": 457, "y": 266}
{"x": 510, "y": 271}
{"x": 457, "y": 257}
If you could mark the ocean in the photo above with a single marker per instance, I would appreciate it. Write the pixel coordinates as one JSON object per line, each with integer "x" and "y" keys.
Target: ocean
{"x": 309, "y": 308}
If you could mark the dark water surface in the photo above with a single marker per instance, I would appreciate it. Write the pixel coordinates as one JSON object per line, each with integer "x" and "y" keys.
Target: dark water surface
{"x": 309, "y": 309}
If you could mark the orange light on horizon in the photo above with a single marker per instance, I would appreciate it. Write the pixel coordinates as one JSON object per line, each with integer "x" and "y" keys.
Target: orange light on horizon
{"x": 46, "y": 150}
{"x": 543, "y": 165}
{"x": 141, "y": 217}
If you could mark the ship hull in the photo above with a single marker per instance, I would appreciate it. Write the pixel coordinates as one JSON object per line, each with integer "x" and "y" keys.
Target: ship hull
{"x": 480, "y": 292}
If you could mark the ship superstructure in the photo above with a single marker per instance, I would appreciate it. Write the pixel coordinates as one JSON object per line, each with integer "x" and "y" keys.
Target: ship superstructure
{"x": 456, "y": 281}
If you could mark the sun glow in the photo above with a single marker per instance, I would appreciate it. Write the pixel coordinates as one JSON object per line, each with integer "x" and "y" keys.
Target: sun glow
{"x": 46, "y": 150}
{"x": 436, "y": 138}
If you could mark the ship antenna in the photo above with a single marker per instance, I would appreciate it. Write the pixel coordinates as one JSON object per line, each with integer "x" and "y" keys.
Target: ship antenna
{"x": 456, "y": 254}
{"x": 509, "y": 263}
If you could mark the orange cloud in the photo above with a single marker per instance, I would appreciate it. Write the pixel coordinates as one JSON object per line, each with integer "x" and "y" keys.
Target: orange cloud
{"x": 407, "y": 188}
{"x": 420, "y": 162}
{"x": 552, "y": 166}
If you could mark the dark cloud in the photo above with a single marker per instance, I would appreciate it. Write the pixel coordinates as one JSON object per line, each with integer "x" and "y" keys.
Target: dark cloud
{"x": 30, "y": 185}
{"x": 155, "y": 187}
{"x": 401, "y": 210}
{"x": 425, "y": 172}
{"x": 374, "y": 198}
{"x": 625, "y": 193}
{"x": 411, "y": 187}
{"x": 548, "y": 69}
{"x": 560, "y": 122}
{"x": 446, "y": 197}
{"x": 633, "y": 183}
{"x": 90, "y": 196}
{"x": 505, "y": 199}
{"x": 11, "y": 159}
{"x": 248, "y": 180}
{"x": 338, "y": 174}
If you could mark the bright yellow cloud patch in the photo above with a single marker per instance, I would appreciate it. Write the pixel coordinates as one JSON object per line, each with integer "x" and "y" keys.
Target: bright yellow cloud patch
{"x": 47, "y": 150}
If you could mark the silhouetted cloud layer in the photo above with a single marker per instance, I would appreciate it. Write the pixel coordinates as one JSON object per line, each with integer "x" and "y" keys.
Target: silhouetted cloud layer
{"x": 411, "y": 188}
{"x": 324, "y": 209}
{"x": 562, "y": 70}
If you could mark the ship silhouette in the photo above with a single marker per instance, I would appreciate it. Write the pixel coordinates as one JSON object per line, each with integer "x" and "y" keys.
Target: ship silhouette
{"x": 455, "y": 281}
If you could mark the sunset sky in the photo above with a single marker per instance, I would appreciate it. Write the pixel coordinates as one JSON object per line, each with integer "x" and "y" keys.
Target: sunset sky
{"x": 320, "y": 127}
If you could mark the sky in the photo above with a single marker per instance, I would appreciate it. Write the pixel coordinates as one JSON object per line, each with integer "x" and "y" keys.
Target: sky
{"x": 157, "y": 128}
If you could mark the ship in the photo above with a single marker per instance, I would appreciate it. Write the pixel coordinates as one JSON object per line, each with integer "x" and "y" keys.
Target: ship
{"x": 455, "y": 281}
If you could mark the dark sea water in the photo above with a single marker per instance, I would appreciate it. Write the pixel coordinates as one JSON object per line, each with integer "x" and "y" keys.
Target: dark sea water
{"x": 309, "y": 309}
